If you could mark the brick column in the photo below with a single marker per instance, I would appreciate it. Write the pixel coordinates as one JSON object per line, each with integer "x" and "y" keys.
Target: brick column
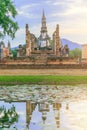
{"x": 57, "y": 41}
{"x": 28, "y": 41}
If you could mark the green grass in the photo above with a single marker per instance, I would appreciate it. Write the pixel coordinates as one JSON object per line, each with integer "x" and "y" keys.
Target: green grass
{"x": 43, "y": 80}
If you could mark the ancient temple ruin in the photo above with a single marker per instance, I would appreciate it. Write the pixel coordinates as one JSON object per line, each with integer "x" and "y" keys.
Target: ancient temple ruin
{"x": 42, "y": 44}
{"x": 39, "y": 50}
{"x": 5, "y": 51}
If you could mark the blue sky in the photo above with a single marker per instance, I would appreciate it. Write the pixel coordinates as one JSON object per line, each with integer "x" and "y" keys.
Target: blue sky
{"x": 71, "y": 15}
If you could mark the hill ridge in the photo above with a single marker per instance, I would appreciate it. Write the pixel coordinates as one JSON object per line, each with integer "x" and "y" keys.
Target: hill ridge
{"x": 72, "y": 45}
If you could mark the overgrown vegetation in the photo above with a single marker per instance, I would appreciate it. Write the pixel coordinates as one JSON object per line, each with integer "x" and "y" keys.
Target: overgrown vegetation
{"x": 43, "y": 79}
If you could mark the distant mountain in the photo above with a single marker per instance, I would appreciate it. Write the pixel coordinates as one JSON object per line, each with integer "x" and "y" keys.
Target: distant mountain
{"x": 14, "y": 48}
{"x": 71, "y": 45}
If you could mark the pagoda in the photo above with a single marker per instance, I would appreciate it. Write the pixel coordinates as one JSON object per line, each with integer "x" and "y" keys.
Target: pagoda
{"x": 43, "y": 38}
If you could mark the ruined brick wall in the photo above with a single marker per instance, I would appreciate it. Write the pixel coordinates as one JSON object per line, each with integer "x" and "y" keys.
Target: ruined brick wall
{"x": 28, "y": 41}
{"x": 40, "y": 59}
{"x": 57, "y": 40}
{"x": 5, "y": 52}
{"x": 84, "y": 51}
{"x": 50, "y": 66}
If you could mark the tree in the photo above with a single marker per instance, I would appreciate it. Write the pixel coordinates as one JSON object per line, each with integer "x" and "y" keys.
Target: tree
{"x": 8, "y": 25}
{"x": 75, "y": 53}
{"x": 14, "y": 52}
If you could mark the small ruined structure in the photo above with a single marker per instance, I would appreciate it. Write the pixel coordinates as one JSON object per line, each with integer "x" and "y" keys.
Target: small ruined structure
{"x": 84, "y": 53}
{"x": 30, "y": 41}
{"x": 20, "y": 51}
{"x": 58, "y": 48}
{"x": 25, "y": 50}
{"x": 5, "y": 51}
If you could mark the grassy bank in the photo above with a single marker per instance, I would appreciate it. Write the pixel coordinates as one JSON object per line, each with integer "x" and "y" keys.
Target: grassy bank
{"x": 11, "y": 80}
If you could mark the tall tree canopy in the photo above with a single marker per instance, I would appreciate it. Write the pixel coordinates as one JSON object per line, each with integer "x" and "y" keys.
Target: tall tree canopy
{"x": 8, "y": 25}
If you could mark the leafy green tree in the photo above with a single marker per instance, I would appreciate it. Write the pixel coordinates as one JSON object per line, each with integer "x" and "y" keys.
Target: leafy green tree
{"x": 75, "y": 53}
{"x": 14, "y": 52}
{"x": 8, "y": 25}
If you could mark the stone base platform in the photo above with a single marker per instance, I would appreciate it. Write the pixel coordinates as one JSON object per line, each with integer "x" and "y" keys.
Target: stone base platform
{"x": 42, "y": 66}
{"x": 41, "y": 59}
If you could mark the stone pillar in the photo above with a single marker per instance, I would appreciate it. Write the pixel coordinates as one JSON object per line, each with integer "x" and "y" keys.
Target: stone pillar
{"x": 54, "y": 43}
{"x": 28, "y": 42}
{"x": 9, "y": 48}
{"x": 28, "y": 112}
{"x": 1, "y": 50}
{"x": 32, "y": 44}
{"x": 30, "y": 107}
{"x": 57, "y": 41}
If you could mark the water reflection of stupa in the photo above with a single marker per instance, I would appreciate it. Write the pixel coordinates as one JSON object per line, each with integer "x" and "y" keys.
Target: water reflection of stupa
{"x": 56, "y": 107}
{"x": 29, "y": 109}
{"x": 43, "y": 109}
{"x": 39, "y": 116}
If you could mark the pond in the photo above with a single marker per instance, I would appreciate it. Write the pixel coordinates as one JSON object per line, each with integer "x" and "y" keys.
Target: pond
{"x": 35, "y": 107}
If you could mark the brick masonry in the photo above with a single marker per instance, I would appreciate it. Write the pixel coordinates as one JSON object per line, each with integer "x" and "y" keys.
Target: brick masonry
{"x": 41, "y": 66}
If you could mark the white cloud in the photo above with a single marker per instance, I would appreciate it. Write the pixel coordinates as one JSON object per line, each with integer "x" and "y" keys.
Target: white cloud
{"x": 71, "y": 7}
{"x": 29, "y": 6}
{"x": 48, "y": 2}
{"x": 78, "y": 9}
{"x": 67, "y": 2}
{"x": 25, "y": 14}
{"x": 58, "y": 3}
{"x": 26, "y": 10}
{"x": 69, "y": 14}
{"x": 72, "y": 20}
